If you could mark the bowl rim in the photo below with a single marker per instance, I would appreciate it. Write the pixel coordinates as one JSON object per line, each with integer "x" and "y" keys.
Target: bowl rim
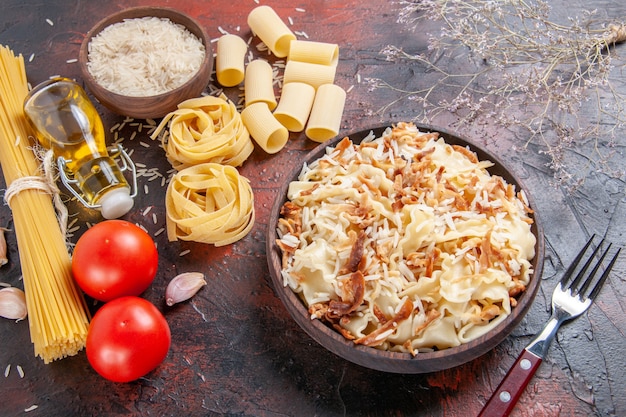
{"x": 399, "y": 362}
{"x": 175, "y": 16}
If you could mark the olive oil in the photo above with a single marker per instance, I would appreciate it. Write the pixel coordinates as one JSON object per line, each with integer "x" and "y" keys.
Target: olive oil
{"x": 66, "y": 122}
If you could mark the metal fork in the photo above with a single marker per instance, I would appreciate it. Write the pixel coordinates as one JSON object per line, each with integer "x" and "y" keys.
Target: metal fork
{"x": 570, "y": 299}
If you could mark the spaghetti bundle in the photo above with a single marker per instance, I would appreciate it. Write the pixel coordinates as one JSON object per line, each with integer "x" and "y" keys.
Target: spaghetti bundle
{"x": 57, "y": 313}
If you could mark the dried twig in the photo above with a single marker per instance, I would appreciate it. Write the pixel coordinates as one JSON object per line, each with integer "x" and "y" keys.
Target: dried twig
{"x": 524, "y": 72}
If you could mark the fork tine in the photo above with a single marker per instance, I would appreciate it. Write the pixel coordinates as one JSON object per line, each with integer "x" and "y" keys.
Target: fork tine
{"x": 574, "y": 264}
{"x": 596, "y": 289}
{"x": 593, "y": 272}
{"x": 583, "y": 271}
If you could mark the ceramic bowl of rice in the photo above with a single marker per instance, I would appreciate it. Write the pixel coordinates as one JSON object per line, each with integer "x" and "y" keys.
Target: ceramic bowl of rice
{"x": 143, "y": 61}
{"x": 405, "y": 248}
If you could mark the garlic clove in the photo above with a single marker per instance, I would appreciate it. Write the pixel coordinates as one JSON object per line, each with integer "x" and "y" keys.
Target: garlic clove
{"x": 183, "y": 286}
{"x": 3, "y": 247}
{"x": 13, "y": 303}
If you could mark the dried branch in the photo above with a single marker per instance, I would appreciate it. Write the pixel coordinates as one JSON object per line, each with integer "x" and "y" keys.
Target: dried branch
{"x": 526, "y": 72}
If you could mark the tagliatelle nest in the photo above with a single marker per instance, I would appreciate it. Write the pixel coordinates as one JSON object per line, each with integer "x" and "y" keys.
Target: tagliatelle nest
{"x": 204, "y": 129}
{"x": 209, "y": 203}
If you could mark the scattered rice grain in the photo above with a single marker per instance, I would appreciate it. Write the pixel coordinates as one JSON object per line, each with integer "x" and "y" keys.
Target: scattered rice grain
{"x": 300, "y": 9}
{"x": 20, "y": 371}
{"x": 71, "y": 61}
{"x": 144, "y": 144}
{"x": 7, "y": 370}
{"x": 158, "y": 232}
{"x": 50, "y": 22}
{"x": 31, "y": 408}
{"x": 31, "y": 57}
{"x": 72, "y": 226}
{"x": 185, "y": 252}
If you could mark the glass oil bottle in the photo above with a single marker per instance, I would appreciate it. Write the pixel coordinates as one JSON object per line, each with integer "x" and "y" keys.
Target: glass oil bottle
{"x": 66, "y": 122}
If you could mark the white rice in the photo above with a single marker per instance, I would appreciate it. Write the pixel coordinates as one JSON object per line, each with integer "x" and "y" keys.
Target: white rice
{"x": 144, "y": 56}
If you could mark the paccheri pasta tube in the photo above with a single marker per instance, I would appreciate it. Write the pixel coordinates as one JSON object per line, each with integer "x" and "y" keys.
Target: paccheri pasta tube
{"x": 295, "y": 105}
{"x": 321, "y": 53}
{"x": 205, "y": 129}
{"x": 266, "y": 131}
{"x": 306, "y": 72}
{"x": 229, "y": 61}
{"x": 269, "y": 27}
{"x": 259, "y": 84}
{"x": 325, "y": 119}
{"x": 404, "y": 242}
{"x": 209, "y": 203}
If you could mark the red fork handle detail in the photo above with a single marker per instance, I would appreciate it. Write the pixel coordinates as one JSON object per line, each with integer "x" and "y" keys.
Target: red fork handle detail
{"x": 512, "y": 386}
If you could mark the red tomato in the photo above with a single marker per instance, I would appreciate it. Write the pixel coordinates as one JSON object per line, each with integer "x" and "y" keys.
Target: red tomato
{"x": 127, "y": 338}
{"x": 114, "y": 258}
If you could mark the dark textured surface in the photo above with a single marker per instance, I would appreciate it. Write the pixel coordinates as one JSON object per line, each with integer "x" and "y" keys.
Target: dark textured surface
{"x": 235, "y": 351}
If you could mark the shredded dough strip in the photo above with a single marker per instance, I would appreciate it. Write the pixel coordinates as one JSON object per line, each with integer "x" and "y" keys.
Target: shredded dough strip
{"x": 408, "y": 230}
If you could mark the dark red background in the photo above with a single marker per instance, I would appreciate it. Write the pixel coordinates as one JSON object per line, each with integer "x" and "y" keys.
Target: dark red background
{"x": 234, "y": 349}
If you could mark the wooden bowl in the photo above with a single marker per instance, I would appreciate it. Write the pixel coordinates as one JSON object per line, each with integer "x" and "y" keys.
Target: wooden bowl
{"x": 398, "y": 362}
{"x": 155, "y": 106}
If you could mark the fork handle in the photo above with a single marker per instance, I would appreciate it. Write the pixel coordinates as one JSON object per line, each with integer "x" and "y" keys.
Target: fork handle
{"x": 512, "y": 386}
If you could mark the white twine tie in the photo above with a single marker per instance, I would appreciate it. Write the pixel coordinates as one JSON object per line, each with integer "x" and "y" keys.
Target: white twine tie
{"x": 45, "y": 183}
